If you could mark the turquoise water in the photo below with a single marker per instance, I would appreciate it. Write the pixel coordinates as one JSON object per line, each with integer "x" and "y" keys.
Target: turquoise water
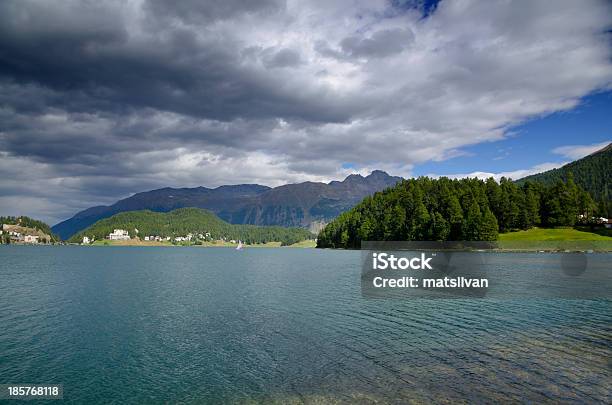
{"x": 210, "y": 325}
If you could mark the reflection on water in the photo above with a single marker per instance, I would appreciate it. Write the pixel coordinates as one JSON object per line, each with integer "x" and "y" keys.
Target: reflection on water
{"x": 281, "y": 325}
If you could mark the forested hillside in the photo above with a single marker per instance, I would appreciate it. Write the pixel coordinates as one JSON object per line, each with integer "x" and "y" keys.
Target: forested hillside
{"x": 593, "y": 173}
{"x": 182, "y": 221}
{"x": 466, "y": 209}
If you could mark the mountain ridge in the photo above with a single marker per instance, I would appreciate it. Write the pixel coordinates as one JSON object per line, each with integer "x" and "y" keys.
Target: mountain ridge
{"x": 291, "y": 205}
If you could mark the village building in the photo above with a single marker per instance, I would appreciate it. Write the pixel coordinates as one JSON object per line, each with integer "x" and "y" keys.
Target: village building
{"x": 86, "y": 240}
{"x": 30, "y": 238}
{"x": 16, "y": 236}
{"x": 119, "y": 234}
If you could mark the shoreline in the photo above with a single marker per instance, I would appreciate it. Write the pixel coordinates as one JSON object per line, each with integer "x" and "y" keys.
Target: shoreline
{"x": 138, "y": 243}
{"x": 297, "y": 246}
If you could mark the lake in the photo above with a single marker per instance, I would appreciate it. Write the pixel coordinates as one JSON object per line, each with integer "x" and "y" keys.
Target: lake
{"x": 210, "y": 325}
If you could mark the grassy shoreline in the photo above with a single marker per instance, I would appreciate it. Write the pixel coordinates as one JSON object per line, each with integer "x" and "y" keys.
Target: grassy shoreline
{"x": 552, "y": 234}
{"x": 554, "y": 239}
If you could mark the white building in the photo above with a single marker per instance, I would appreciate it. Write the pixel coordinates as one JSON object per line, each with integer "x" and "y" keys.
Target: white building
{"x": 86, "y": 240}
{"x": 119, "y": 234}
{"x": 30, "y": 238}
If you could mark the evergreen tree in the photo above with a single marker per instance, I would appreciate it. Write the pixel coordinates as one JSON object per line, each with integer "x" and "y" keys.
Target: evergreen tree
{"x": 454, "y": 213}
{"x": 531, "y": 207}
{"x": 472, "y": 222}
{"x": 440, "y": 227}
{"x": 488, "y": 226}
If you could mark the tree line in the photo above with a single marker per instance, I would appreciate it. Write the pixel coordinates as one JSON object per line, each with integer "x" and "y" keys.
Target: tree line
{"x": 457, "y": 209}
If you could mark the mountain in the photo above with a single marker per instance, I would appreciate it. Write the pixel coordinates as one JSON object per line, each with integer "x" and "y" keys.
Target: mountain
{"x": 308, "y": 204}
{"x": 182, "y": 221}
{"x": 593, "y": 173}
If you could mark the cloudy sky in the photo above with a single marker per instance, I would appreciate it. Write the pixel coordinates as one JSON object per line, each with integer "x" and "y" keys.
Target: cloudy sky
{"x": 99, "y": 100}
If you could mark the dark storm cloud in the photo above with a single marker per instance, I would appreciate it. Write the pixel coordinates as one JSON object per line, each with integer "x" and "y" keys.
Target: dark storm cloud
{"x": 381, "y": 44}
{"x": 281, "y": 58}
{"x": 171, "y": 69}
{"x": 199, "y": 12}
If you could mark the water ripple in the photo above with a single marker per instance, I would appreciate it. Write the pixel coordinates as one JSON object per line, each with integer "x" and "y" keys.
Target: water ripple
{"x": 134, "y": 325}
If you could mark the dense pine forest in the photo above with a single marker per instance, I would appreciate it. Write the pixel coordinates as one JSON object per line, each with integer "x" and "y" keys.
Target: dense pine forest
{"x": 593, "y": 173}
{"x": 182, "y": 221}
{"x": 465, "y": 209}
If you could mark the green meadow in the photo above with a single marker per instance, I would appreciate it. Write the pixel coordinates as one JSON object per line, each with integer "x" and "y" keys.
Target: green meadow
{"x": 555, "y": 239}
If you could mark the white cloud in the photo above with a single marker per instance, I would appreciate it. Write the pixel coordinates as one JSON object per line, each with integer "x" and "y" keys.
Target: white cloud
{"x": 514, "y": 174}
{"x": 575, "y": 152}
